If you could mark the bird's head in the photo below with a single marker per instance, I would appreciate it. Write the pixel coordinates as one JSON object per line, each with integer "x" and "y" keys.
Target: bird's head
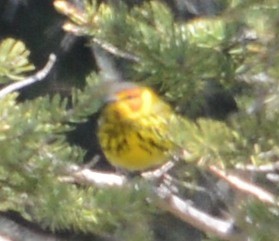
{"x": 130, "y": 101}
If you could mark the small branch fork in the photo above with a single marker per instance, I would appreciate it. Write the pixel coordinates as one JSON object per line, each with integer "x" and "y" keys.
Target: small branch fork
{"x": 40, "y": 75}
{"x": 181, "y": 208}
{"x": 187, "y": 212}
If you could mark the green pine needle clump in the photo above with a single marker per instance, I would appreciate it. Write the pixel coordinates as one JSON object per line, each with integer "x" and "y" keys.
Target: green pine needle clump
{"x": 13, "y": 60}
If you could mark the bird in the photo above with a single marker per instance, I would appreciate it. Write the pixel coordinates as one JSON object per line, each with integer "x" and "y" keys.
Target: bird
{"x": 135, "y": 127}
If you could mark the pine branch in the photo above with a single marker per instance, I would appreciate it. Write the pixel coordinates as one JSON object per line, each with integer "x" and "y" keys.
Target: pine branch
{"x": 266, "y": 168}
{"x": 3, "y": 237}
{"x": 182, "y": 209}
{"x": 40, "y": 75}
{"x": 245, "y": 186}
{"x": 86, "y": 176}
{"x": 115, "y": 51}
{"x": 14, "y": 227}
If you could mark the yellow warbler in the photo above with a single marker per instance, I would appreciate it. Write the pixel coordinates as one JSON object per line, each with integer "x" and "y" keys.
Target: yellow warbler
{"x": 135, "y": 127}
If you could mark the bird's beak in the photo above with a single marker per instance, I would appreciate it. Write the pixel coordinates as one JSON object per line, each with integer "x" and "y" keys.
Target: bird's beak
{"x": 110, "y": 99}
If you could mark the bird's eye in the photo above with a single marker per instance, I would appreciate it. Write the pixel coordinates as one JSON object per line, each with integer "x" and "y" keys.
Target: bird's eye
{"x": 128, "y": 97}
{"x": 130, "y": 94}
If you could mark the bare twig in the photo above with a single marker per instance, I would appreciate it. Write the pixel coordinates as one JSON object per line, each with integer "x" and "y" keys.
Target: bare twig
{"x": 261, "y": 169}
{"x": 89, "y": 177}
{"x": 245, "y": 186}
{"x": 4, "y": 237}
{"x": 184, "y": 210}
{"x": 272, "y": 177}
{"x": 159, "y": 172}
{"x": 165, "y": 200}
{"x": 115, "y": 51}
{"x": 40, "y": 75}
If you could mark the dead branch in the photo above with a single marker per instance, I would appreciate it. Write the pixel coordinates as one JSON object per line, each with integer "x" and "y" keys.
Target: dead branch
{"x": 40, "y": 75}
{"x": 245, "y": 186}
{"x": 267, "y": 168}
{"x": 164, "y": 199}
{"x": 185, "y": 211}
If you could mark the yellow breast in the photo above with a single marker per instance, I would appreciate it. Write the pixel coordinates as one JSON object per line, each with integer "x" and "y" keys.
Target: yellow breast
{"x": 134, "y": 130}
{"x": 134, "y": 150}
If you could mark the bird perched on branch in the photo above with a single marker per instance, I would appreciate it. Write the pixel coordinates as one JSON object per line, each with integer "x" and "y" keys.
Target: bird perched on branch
{"x": 136, "y": 127}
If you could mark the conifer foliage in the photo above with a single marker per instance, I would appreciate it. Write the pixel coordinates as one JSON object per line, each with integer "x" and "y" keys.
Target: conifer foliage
{"x": 218, "y": 70}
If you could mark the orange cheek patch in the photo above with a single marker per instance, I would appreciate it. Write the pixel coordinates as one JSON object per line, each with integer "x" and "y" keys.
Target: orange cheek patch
{"x": 136, "y": 92}
{"x": 135, "y": 104}
{"x": 133, "y": 98}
